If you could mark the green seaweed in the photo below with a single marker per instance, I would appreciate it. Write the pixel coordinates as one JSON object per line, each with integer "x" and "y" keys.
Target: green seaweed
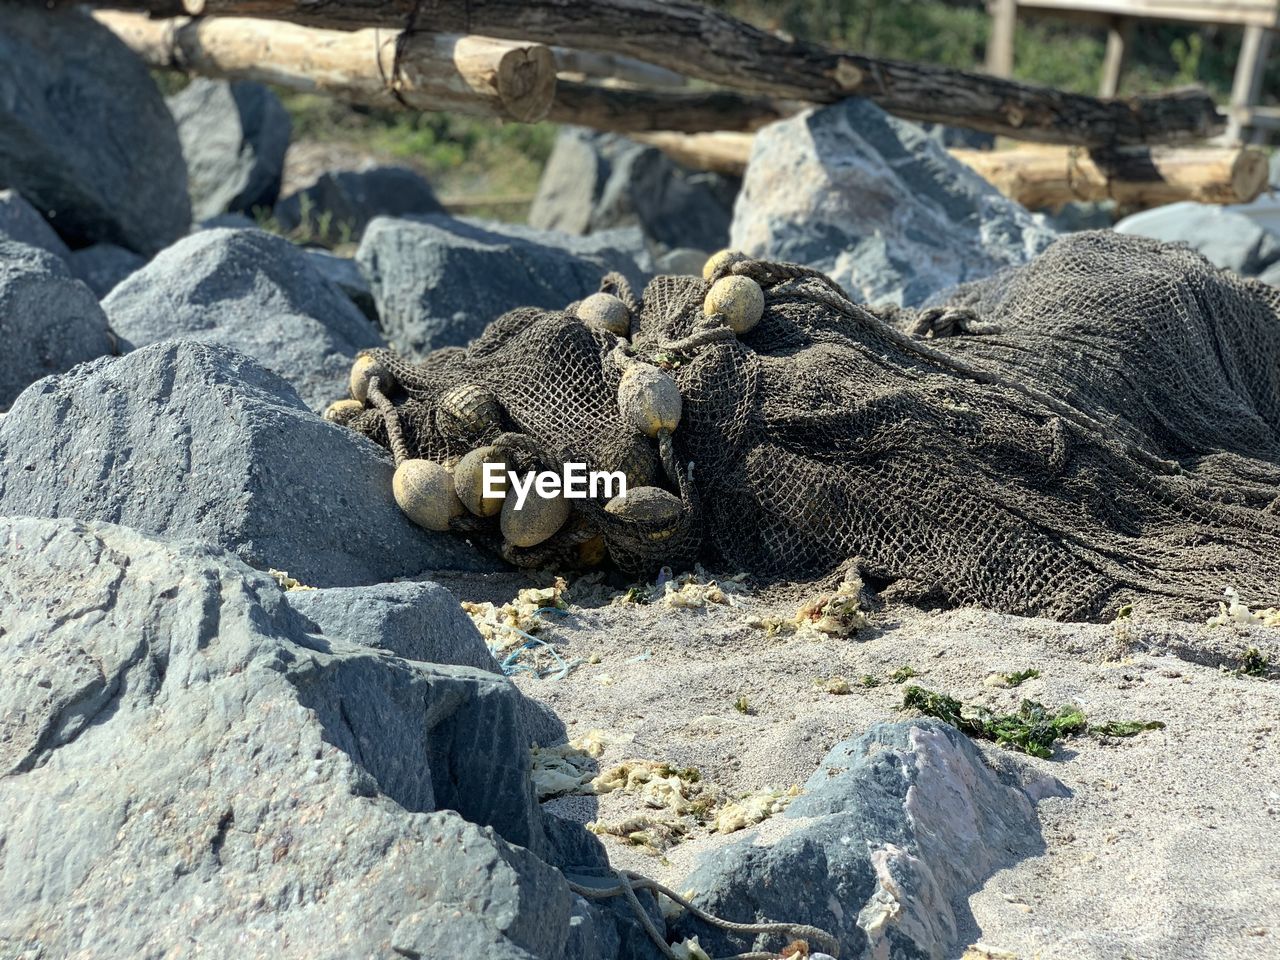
{"x": 1019, "y": 677}
{"x": 1032, "y": 730}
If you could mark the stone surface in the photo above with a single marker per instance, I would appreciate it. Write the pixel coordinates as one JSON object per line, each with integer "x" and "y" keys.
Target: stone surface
{"x": 596, "y": 181}
{"x": 1225, "y": 238}
{"x": 891, "y": 835}
{"x": 877, "y": 204}
{"x": 102, "y": 266}
{"x": 346, "y": 275}
{"x": 234, "y": 137}
{"x": 196, "y": 440}
{"x": 438, "y": 281}
{"x": 19, "y": 221}
{"x": 338, "y": 206}
{"x": 48, "y": 321}
{"x": 183, "y": 764}
{"x": 253, "y": 291}
{"x": 416, "y": 620}
{"x": 84, "y": 133}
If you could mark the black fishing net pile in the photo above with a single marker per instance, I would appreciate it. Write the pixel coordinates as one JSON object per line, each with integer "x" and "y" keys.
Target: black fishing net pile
{"x": 1098, "y": 428}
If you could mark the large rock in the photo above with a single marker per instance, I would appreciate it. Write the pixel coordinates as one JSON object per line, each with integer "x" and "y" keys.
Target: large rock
{"x": 1225, "y": 238}
{"x": 21, "y": 222}
{"x": 182, "y": 765}
{"x": 438, "y": 281}
{"x": 417, "y": 620}
{"x": 877, "y": 204}
{"x": 234, "y": 137}
{"x": 596, "y": 181}
{"x": 252, "y": 291}
{"x": 892, "y": 834}
{"x": 198, "y": 441}
{"x": 49, "y": 321}
{"x": 337, "y": 206}
{"x": 84, "y": 133}
{"x": 103, "y": 266}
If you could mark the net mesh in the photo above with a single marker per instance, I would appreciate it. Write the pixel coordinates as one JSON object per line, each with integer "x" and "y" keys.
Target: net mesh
{"x": 1100, "y": 427}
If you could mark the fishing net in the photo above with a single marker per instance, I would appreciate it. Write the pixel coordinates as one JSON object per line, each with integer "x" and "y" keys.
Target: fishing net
{"x": 1100, "y": 427}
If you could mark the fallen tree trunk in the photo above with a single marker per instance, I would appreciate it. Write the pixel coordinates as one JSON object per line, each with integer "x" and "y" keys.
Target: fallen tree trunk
{"x": 1041, "y": 176}
{"x": 699, "y": 42}
{"x": 466, "y": 74}
{"x": 630, "y": 110}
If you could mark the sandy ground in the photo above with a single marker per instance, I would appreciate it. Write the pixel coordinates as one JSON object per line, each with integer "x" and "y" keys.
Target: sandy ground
{"x": 1164, "y": 845}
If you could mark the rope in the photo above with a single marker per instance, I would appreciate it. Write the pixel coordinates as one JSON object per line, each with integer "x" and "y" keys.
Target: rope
{"x": 630, "y": 882}
{"x": 395, "y": 435}
{"x": 615, "y": 283}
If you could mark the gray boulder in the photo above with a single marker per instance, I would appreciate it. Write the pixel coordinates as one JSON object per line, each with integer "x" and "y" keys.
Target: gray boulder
{"x": 84, "y": 133}
{"x": 234, "y": 137}
{"x": 438, "y": 280}
{"x": 49, "y": 321}
{"x": 417, "y": 620}
{"x": 1225, "y": 238}
{"x": 20, "y": 222}
{"x": 345, "y": 274}
{"x": 878, "y": 204}
{"x": 253, "y": 291}
{"x": 338, "y": 206}
{"x": 596, "y": 181}
{"x": 181, "y": 762}
{"x": 892, "y": 834}
{"x": 196, "y": 440}
{"x": 102, "y": 266}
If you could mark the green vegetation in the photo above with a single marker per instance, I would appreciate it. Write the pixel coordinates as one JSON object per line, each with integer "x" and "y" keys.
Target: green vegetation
{"x": 1019, "y": 677}
{"x": 904, "y": 672}
{"x": 1033, "y": 729}
{"x": 1253, "y": 663}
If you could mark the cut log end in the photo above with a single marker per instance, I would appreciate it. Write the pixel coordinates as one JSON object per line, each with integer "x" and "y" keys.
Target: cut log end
{"x": 526, "y": 82}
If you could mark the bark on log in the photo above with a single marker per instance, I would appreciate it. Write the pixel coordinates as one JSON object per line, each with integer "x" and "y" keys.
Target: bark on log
{"x": 1040, "y": 176}
{"x": 699, "y": 42}
{"x": 466, "y": 74}
{"x": 628, "y": 110}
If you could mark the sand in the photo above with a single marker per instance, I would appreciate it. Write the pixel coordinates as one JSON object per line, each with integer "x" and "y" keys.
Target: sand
{"x": 1162, "y": 845}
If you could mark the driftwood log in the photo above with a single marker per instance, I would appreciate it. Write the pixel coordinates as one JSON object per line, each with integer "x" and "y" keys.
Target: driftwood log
{"x": 473, "y": 75}
{"x": 710, "y": 45}
{"x": 466, "y": 74}
{"x": 1044, "y": 176}
{"x": 1051, "y": 176}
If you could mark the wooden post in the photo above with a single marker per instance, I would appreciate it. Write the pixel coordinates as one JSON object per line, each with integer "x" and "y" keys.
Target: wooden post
{"x": 1004, "y": 26}
{"x": 466, "y": 74}
{"x": 583, "y": 65}
{"x": 710, "y": 45}
{"x": 1246, "y": 88}
{"x": 1119, "y": 34}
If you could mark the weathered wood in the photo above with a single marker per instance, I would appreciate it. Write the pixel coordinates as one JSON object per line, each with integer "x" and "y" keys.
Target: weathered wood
{"x": 699, "y": 42}
{"x": 587, "y": 65}
{"x": 1039, "y": 177}
{"x": 722, "y": 151}
{"x": 632, "y": 110}
{"x": 1119, "y": 36}
{"x": 1044, "y": 176}
{"x": 466, "y": 74}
